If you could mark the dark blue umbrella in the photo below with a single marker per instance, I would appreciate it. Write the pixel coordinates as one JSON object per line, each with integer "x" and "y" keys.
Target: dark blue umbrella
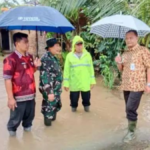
{"x": 39, "y": 18}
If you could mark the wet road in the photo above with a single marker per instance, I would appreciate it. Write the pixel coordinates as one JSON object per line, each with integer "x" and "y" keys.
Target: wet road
{"x": 101, "y": 129}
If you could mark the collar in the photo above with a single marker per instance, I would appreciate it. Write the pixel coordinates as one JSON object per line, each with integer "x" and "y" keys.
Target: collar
{"x": 19, "y": 54}
{"x": 50, "y": 54}
{"x": 133, "y": 48}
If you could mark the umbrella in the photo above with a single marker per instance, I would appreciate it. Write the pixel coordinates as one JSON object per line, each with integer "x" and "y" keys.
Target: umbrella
{"x": 39, "y": 18}
{"x": 116, "y": 26}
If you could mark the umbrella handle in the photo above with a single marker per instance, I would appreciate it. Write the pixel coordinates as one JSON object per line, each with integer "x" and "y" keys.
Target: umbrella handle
{"x": 118, "y": 54}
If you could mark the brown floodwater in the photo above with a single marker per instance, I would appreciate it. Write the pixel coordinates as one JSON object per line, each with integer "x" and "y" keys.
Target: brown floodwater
{"x": 101, "y": 129}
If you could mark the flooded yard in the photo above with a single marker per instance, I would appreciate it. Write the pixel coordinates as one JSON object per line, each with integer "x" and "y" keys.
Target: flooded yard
{"x": 101, "y": 129}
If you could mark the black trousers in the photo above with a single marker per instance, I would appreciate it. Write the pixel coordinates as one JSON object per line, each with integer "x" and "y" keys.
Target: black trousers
{"x": 132, "y": 101}
{"x": 74, "y": 98}
{"x": 24, "y": 112}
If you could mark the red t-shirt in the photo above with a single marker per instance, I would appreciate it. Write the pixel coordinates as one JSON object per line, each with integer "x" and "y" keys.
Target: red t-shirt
{"x": 20, "y": 69}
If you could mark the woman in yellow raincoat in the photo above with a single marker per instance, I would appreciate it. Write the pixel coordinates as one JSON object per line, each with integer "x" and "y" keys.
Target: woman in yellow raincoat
{"x": 79, "y": 74}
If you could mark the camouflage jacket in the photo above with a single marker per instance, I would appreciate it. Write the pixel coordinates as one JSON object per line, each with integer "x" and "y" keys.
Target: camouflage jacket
{"x": 50, "y": 75}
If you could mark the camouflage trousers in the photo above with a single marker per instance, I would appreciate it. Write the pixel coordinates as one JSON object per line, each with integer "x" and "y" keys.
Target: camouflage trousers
{"x": 50, "y": 108}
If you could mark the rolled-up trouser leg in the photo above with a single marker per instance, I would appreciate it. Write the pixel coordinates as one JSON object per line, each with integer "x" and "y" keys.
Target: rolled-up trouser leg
{"x": 50, "y": 108}
{"x": 23, "y": 112}
{"x": 29, "y": 114}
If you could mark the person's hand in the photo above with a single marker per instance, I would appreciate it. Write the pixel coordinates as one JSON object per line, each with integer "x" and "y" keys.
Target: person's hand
{"x": 37, "y": 62}
{"x": 92, "y": 86}
{"x": 66, "y": 89}
{"x": 118, "y": 59}
{"x": 51, "y": 97}
{"x": 147, "y": 89}
{"x": 12, "y": 104}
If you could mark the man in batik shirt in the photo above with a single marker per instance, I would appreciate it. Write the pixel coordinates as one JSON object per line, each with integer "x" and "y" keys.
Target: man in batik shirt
{"x": 135, "y": 67}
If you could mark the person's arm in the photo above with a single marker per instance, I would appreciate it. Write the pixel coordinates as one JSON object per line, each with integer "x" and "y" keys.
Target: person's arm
{"x": 8, "y": 86}
{"x": 37, "y": 63}
{"x": 8, "y": 72}
{"x": 47, "y": 78}
{"x": 92, "y": 74}
{"x": 119, "y": 62}
{"x": 146, "y": 61}
{"x": 148, "y": 76}
{"x": 66, "y": 74}
{"x": 120, "y": 66}
{"x": 11, "y": 101}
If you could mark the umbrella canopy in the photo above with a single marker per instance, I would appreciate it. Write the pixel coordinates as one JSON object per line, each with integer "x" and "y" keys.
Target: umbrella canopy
{"x": 39, "y": 18}
{"x": 116, "y": 26}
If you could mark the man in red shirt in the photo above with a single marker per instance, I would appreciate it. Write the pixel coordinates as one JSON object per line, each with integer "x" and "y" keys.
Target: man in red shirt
{"x": 18, "y": 72}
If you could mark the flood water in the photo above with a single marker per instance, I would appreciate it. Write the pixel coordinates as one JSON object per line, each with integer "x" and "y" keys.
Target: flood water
{"x": 101, "y": 129}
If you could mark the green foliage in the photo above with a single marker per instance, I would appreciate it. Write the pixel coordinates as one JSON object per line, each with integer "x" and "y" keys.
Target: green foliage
{"x": 49, "y": 35}
{"x": 142, "y": 11}
{"x": 92, "y": 9}
{"x": 9, "y": 4}
{"x": 1, "y": 52}
{"x": 106, "y": 8}
{"x": 108, "y": 50}
{"x": 107, "y": 72}
{"x": 91, "y": 41}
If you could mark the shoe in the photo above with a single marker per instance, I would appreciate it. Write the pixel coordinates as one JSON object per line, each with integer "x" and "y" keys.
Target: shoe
{"x": 131, "y": 132}
{"x": 54, "y": 117}
{"x": 87, "y": 108}
{"x": 74, "y": 109}
{"x": 28, "y": 129}
{"x": 47, "y": 121}
{"x": 12, "y": 133}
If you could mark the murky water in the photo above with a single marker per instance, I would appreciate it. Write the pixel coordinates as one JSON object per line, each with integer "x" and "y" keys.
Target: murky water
{"x": 101, "y": 129}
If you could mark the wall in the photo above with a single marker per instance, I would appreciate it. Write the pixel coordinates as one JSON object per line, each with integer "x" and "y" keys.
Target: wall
{"x": 32, "y": 42}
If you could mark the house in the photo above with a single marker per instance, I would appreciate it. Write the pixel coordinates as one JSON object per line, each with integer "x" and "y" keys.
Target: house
{"x": 6, "y": 41}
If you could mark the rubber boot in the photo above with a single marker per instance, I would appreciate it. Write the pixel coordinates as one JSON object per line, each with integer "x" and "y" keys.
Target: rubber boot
{"x": 47, "y": 121}
{"x": 131, "y": 131}
{"x": 12, "y": 133}
{"x": 27, "y": 129}
{"x": 54, "y": 117}
{"x": 87, "y": 109}
{"x": 74, "y": 109}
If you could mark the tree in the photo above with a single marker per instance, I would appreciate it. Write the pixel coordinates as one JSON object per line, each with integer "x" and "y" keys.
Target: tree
{"x": 79, "y": 12}
{"x": 9, "y": 4}
{"x": 142, "y": 11}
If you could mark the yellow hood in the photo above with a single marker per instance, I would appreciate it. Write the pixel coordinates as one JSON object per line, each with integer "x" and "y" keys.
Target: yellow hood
{"x": 75, "y": 40}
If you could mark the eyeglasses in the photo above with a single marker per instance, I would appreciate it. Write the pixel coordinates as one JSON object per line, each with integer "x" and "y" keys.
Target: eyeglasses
{"x": 79, "y": 44}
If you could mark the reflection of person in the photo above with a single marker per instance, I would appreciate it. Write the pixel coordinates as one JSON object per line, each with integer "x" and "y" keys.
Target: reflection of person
{"x": 135, "y": 67}
{"x": 79, "y": 74}
{"x": 50, "y": 82}
{"x": 19, "y": 70}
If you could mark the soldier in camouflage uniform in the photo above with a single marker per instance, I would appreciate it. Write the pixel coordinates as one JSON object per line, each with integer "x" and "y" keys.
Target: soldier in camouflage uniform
{"x": 50, "y": 82}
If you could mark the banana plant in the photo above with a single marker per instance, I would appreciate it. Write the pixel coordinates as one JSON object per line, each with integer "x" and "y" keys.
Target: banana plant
{"x": 142, "y": 11}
